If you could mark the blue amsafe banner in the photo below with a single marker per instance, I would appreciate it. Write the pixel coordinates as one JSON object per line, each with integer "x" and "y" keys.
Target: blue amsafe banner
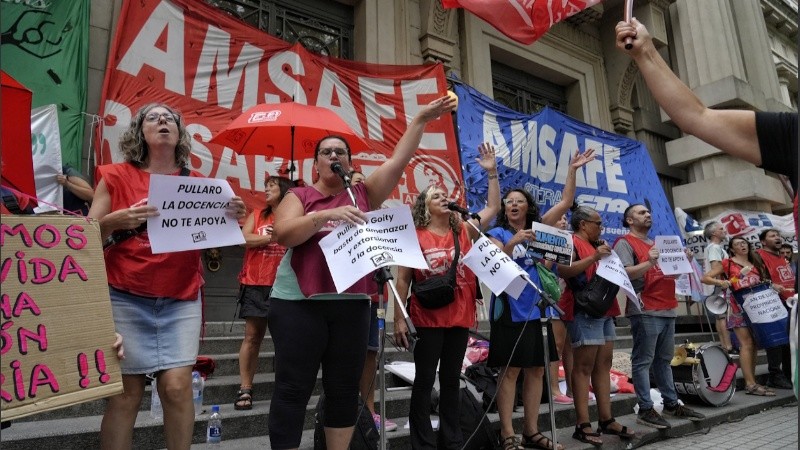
{"x": 535, "y": 151}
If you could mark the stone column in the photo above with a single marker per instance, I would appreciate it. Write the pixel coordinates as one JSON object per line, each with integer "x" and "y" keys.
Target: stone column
{"x": 721, "y": 51}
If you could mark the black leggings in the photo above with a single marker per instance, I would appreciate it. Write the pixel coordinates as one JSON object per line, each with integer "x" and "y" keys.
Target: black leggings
{"x": 308, "y": 333}
{"x": 446, "y": 347}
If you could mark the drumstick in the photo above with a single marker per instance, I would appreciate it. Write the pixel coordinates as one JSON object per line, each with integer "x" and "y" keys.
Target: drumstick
{"x": 628, "y": 14}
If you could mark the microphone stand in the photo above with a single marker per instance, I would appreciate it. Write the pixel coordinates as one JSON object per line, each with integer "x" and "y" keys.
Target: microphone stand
{"x": 382, "y": 276}
{"x": 544, "y": 301}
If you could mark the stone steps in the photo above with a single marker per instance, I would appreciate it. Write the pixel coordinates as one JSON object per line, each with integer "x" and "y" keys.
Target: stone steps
{"x": 77, "y": 427}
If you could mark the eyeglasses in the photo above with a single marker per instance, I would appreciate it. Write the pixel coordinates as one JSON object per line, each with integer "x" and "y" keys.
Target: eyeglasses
{"x": 155, "y": 117}
{"x": 328, "y": 151}
{"x": 513, "y": 202}
{"x": 599, "y": 223}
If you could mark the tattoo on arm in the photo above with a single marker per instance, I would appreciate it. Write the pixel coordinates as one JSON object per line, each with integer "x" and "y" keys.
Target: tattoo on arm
{"x": 316, "y": 221}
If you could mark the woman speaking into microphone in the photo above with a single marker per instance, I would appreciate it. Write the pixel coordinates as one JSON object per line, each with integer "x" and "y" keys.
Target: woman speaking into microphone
{"x": 310, "y": 323}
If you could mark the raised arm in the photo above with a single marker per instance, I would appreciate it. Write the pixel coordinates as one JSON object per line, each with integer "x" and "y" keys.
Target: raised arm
{"x": 488, "y": 161}
{"x": 578, "y": 160}
{"x": 382, "y": 182}
{"x": 732, "y": 131}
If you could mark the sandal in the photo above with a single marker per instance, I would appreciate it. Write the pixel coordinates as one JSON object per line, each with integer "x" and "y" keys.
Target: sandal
{"x": 624, "y": 433}
{"x": 757, "y": 389}
{"x": 541, "y": 442}
{"x": 583, "y": 436}
{"x": 244, "y": 399}
{"x": 511, "y": 443}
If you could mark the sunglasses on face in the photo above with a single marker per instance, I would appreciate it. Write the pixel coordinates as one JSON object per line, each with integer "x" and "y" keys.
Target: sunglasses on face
{"x": 514, "y": 202}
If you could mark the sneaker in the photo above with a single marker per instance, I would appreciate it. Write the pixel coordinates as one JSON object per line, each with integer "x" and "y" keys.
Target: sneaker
{"x": 562, "y": 399}
{"x": 651, "y": 418}
{"x": 682, "y": 412}
{"x": 779, "y": 382}
{"x": 390, "y": 426}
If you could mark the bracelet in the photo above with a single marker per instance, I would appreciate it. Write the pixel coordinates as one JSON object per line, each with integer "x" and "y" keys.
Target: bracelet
{"x": 492, "y": 176}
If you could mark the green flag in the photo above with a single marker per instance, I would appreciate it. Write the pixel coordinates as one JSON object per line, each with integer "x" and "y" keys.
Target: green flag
{"x": 45, "y": 46}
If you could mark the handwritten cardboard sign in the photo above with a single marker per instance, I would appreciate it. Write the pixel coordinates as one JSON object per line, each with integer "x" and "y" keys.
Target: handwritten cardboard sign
{"x": 388, "y": 238}
{"x": 57, "y": 330}
{"x": 193, "y": 214}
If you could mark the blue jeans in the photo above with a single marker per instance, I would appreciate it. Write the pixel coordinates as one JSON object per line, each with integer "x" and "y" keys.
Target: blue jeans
{"x": 653, "y": 345}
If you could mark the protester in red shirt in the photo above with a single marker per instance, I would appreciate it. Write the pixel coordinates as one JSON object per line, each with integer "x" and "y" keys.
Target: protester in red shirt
{"x": 783, "y": 281}
{"x": 261, "y": 259}
{"x": 442, "y": 332}
{"x": 155, "y": 298}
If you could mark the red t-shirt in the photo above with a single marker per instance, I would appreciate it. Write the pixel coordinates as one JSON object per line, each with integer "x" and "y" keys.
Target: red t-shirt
{"x": 567, "y": 301}
{"x": 780, "y": 271}
{"x": 261, "y": 263}
{"x": 439, "y": 252}
{"x": 130, "y": 265}
{"x": 738, "y": 281}
{"x": 658, "y": 293}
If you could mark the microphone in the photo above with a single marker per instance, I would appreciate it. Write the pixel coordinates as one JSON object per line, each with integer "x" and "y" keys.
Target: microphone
{"x": 452, "y": 206}
{"x": 339, "y": 170}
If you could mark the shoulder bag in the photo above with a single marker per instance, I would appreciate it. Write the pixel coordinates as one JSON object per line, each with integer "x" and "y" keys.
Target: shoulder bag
{"x": 440, "y": 290}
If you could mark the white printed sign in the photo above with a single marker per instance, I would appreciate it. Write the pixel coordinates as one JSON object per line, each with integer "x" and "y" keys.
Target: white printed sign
{"x": 672, "y": 259}
{"x": 46, "y": 152}
{"x": 495, "y": 269}
{"x": 388, "y": 238}
{"x": 552, "y": 244}
{"x": 764, "y": 306}
{"x": 193, "y": 214}
{"x": 611, "y": 269}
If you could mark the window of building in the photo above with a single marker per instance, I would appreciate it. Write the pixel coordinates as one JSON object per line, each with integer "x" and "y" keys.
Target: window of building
{"x": 524, "y": 92}
{"x": 321, "y": 26}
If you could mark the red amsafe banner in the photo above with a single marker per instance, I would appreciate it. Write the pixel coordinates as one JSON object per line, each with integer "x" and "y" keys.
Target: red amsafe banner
{"x": 211, "y": 67}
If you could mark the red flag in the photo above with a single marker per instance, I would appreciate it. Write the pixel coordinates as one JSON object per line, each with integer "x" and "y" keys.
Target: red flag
{"x": 524, "y": 21}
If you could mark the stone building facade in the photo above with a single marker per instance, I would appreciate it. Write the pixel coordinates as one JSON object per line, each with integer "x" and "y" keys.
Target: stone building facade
{"x": 731, "y": 53}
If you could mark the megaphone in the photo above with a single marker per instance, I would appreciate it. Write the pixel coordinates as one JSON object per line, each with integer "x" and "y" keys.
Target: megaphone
{"x": 716, "y": 303}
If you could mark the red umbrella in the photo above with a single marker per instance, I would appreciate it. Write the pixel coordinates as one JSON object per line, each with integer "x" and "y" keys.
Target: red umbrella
{"x": 289, "y": 130}
{"x": 15, "y": 116}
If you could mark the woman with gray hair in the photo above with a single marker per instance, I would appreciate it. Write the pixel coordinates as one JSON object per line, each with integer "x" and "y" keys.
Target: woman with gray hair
{"x": 592, "y": 337}
{"x": 443, "y": 331}
{"x": 155, "y": 298}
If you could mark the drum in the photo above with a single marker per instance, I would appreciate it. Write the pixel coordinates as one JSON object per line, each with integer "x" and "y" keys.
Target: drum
{"x": 711, "y": 381}
{"x": 765, "y": 314}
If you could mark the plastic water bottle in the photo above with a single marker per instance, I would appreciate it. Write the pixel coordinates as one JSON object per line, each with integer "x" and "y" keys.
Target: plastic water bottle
{"x": 197, "y": 392}
{"x": 214, "y": 430}
{"x": 156, "y": 412}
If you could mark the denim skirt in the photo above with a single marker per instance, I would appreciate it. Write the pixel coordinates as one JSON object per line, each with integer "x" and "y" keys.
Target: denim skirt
{"x": 158, "y": 333}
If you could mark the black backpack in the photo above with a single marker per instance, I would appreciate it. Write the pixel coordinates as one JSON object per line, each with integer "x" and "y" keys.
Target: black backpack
{"x": 476, "y": 429}
{"x": 365, "y": 435}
